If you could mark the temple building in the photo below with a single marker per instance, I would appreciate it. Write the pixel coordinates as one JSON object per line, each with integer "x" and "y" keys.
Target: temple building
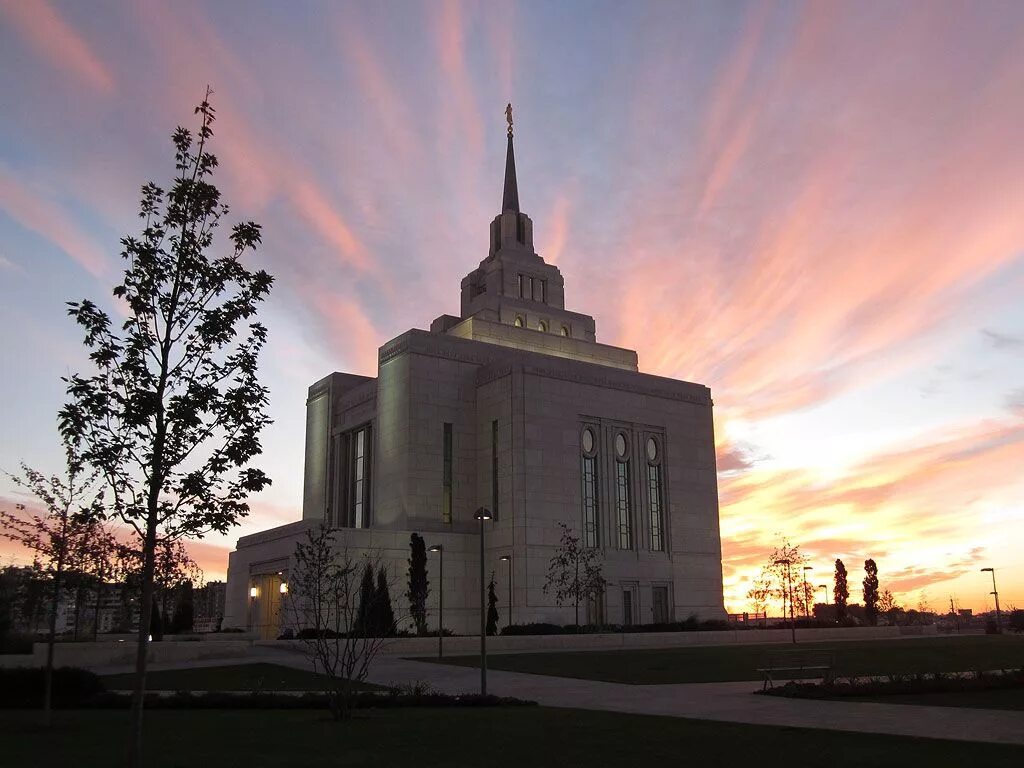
{"x": 513, "y": 406}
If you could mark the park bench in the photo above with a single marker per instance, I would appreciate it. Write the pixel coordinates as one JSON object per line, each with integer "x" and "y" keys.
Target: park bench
{"x": 793, "y": 664}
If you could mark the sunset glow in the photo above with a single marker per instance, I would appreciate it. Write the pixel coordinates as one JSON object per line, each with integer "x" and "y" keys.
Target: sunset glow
{"x": 815, "y": 209}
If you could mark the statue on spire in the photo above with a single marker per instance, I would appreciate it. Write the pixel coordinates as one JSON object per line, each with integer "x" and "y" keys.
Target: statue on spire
{"x": 508, "y": 116}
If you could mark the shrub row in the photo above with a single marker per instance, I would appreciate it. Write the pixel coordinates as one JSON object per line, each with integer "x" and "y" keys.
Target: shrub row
{"x": 937, "y": 682}
{"x": 690, "y": 625}
{"x": 22, "y": 687}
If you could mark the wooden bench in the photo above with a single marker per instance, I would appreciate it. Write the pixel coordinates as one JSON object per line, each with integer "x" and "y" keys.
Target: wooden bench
{"x": 793, "y": 664}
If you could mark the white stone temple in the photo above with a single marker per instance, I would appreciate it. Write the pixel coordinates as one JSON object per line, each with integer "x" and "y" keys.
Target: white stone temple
{"x": 514, "y": 406}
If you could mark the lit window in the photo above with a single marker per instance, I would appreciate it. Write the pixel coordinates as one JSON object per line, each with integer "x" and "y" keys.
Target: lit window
{"x": 519, "y": 321}
{"x": 542, "y": 327}
{"x": 565, "y": 331}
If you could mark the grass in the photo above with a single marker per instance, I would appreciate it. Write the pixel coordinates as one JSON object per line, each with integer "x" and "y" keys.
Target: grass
{"x": 1007, "y": 698}
{"x": 236, "y": 677}
{"x": 496, "y": 737}
{"x": 710, "y": 664}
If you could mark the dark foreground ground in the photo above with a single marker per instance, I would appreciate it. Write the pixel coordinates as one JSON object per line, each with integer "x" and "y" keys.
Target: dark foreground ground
{"x": 494, "y": 737}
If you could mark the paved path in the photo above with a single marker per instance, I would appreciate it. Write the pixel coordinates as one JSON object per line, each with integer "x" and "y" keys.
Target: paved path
{"x": 731, "y": 702}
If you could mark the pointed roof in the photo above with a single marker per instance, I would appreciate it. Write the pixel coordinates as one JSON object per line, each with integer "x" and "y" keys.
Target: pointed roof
{"x": 510, "y": 197}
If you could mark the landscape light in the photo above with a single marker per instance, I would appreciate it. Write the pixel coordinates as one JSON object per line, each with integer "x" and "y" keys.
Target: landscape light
{"x": 284, "y": 587}
{"x": 253, "y": 591}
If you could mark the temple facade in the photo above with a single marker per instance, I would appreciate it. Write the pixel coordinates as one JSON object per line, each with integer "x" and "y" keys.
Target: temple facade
{"x": 514, "y": 407}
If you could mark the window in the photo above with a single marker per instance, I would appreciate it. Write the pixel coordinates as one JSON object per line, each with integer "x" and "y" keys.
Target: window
{"x": 542, "y": 326}
{"x": 494, "y": 468}
{"x": 627, "y": 607}
{"x": 589, "y": 471}
{"x": 526, "y": 286}
{"x": 540, "y": 290}
{"x": 354, "y": 490}
{"x": 522, "y": 286}
{"x": 655, "y": 497}
{"x": 519, "y": 321}
{"x": 659, "y": 604}
{"x": 565, "y": 331}
{"x": 623, "y": 508}
{"x": 446, "y": 493}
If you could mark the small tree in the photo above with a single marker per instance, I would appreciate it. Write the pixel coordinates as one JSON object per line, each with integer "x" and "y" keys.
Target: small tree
{"x": 419, "y": 587}
{"x": 172, "y": 411}
{"x": 324, "y": 600}
{"x": 492, "y": 607}
{"x": 775, "y": 581}
{"x": 383, "y": 624}
{"x": 61, "y": 539}
{"x": 841, "y": 591}
{"x": 871, "y": 591}
{"x": 574, "y": 572}
{"x": 156, "y": 622}
{"x": 367, "y": 599}
{"x": 184, "y": 609}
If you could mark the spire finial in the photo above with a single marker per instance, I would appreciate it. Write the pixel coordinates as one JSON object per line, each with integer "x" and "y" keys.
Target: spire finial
{"x": 508, "y": 116}
{"x": 510, "y": 198}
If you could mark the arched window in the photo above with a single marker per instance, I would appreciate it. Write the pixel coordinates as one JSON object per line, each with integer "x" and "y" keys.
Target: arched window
{"x": 588, "y": 451}
{"x": 542, "y": 326}
{"x": 655, "y": 496}
{"x": 565, "y": 331}
{"x": 519, "y": 321}
{"x": 623, "y": 506}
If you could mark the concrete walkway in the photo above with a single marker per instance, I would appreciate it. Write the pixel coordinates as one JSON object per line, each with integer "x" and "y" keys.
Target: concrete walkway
{"x": 730, "y": 702}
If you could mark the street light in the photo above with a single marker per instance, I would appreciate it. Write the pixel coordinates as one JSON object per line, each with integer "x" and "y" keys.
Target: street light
{"x": 508, "y": 559}
{"x": 789, "y": 591}
{"x": 807, "y": 593}
{"x": 482, "y": 514}
{"x": 995, "y": 593}
{"x": 440, "y": 597}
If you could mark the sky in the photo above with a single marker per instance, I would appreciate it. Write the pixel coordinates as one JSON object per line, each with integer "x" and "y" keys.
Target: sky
{"x": 816, "y": 209}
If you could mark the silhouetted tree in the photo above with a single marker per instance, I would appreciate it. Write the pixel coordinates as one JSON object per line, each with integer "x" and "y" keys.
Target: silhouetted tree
{"x": 492, "y": 607}
{"x": 156, "y": 621}
{"x": 871, "y": 591}
{"x": 841, "y": 591}
{"x": 367, "y": 597}
{"x": 184, "y": 609}
{"x": 776, "y": 579}
{"x": 62, "y": 539}
{"x": 419, "y": 587}
{"x": 172, "y": 412}
{"x": 383, "y": 613}
{"x": 574, "y": 572}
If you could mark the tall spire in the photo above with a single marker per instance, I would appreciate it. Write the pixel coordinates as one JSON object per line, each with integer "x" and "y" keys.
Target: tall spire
{"x": 510, "y": 198}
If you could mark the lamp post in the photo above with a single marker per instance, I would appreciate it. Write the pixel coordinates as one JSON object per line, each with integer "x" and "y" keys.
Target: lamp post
{"x": 440, "y": 597}
{"x": 483, "y": 514}
{"x": 995, "y": 594}
{"x": 508, "y": 559}
{"x": 254, "y": 592}
{"x": 789, "y": 591}
{"x": 807, "y": 593}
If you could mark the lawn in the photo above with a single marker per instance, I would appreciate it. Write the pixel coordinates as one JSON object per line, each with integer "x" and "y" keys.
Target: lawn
{"x": 237, "y": 677}
{"x": 1006, "y": 698}
{"x": 495, "y": 737}
{"x": 720, "y": 663}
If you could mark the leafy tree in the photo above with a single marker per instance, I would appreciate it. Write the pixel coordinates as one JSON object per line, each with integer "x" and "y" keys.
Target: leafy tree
{"x": 574, "y": 572}
{"x": 492, "y": 607}
{"x": 172, "y": 412}
{"x": 62, "y": 539}
{"x": 419, "y": 587}
{"x": 841, "y": 591}
{"x": 322, "y": 599}
{"x": 775, "y": 581}
{"x": 383, "y": 614}
{"x": 871, "y": 591}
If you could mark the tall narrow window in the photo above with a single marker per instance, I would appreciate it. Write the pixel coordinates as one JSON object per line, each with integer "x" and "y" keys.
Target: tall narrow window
{"x": 623, "y": 508}
{"x": 359, "y": 479}
{"x": 589, "y": 473}
{"x": 522, "y": 286}
{"x": 355, "y": 495}
{"x": 627, "y": 607}
{"x": 540, "y": 291}
{"x": 494, "y": 468}
{"x": 655, "y": 498}
{"x": 446, "y": 494}
{"x": 659, "y": 604}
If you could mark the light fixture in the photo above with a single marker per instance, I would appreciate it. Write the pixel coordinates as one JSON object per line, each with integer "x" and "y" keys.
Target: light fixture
{"x": 284, "y": 587}
{"x": 254, "y": 591}
{"x": 505, "y": 558}
{"x": 482, "y": 514}
{"x": 435, "y": 548}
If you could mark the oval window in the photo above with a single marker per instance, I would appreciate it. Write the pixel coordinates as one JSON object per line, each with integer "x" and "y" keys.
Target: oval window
{"x": 652, "y": 449}
{"x": 588, "y": 441}
{"x": 620, "y": 445}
